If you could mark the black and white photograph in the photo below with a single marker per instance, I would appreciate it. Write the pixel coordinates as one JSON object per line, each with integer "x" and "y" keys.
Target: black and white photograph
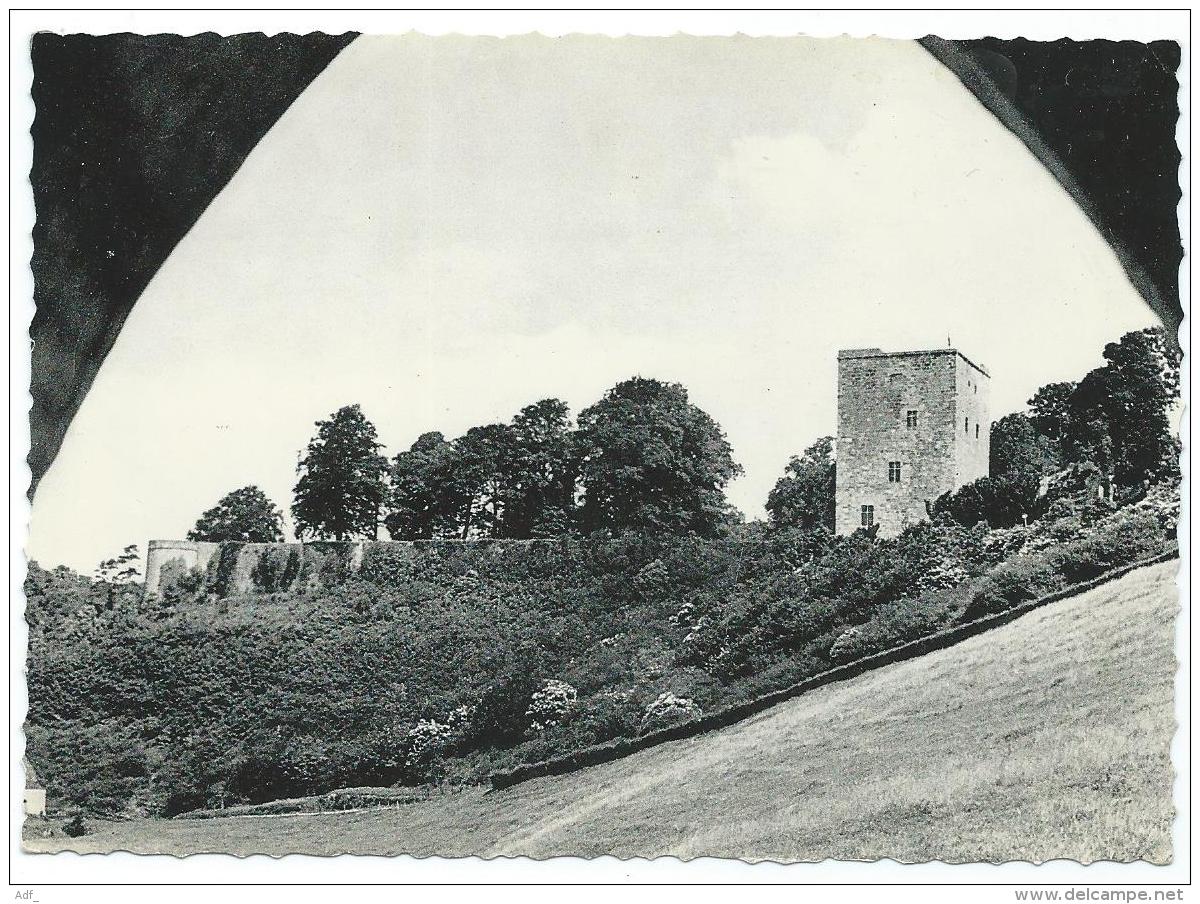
{"x": 490, "y": 443}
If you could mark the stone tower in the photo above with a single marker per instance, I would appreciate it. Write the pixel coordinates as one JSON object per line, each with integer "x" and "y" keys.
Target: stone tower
{"x": 911, "y": 426}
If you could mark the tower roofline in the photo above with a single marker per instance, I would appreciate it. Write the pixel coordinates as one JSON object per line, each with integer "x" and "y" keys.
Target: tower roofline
{"x": 856, "y": 353}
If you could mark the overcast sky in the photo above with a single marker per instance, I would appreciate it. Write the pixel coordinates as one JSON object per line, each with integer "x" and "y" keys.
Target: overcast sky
{"x": 447, "y": 229}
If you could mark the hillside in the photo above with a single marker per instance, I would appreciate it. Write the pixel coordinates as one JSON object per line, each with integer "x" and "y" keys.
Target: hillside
{"x": 1043, "y": 739}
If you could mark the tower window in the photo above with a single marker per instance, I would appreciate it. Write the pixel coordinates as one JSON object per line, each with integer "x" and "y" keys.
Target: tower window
{"x": 910, "y": 418}
{"x": 893, "y": 472}
{"x": 977, "y": 431}
{"x": 868, "y": 515}
{"x": 966, "y": 425}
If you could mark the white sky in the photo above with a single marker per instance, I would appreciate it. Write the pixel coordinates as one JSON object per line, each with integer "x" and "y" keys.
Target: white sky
{"x": 446, "y": 229}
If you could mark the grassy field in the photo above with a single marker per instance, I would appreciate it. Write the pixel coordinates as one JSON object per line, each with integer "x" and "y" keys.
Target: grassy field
{"x": 1047, "y": 738}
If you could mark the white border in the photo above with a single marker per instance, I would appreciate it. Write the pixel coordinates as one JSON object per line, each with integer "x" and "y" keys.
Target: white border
{"x": 32, "y": 870}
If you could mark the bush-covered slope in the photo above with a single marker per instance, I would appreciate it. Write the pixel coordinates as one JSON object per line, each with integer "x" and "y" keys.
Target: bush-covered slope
{"x": 1046, "y": 738}
{"x": 442, "y": 666}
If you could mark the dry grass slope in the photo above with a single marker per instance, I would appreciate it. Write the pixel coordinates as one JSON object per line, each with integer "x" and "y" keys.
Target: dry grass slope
{"x": 1047, "y": 738}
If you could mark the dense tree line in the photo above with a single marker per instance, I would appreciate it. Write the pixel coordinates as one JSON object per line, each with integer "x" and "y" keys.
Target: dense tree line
{"x": 1113, "y": 426}
{"x": 642, "y": 458}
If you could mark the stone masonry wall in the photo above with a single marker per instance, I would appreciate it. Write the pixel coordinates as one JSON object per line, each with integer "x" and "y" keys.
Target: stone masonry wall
{"x": 940, "y": 452}
{"x": 188, "y": 553}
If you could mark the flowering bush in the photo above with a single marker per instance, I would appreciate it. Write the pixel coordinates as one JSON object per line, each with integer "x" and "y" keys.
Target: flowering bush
{"x": 1072, "y": 555}
{"x": 685, "y": 616}
{"x": 347, "y": 692}
{"x": 611, "y": 713}
{"x": 424, "y": 745}
{"x": 1118, "y": 540}
{"x": 1015, "y": 582}
{"x": 942, "y": 575}
{"x": 667, "y": 709}
{"x": 460, "y": 718}
{"x": 550, "y": 704}
{"x": 689, "y": 620}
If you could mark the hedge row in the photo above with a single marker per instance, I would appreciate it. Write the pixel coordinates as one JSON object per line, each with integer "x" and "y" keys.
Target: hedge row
{"x": 340, "y": 800}
{"x": 723, "y": 718}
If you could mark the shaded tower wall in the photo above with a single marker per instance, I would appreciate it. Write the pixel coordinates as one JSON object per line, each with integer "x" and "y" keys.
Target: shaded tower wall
{"x": 925, "y": 411}
{"x": 973, "y": 423}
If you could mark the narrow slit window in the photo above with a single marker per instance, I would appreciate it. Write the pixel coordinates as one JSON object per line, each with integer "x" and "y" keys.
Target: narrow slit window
{"x": 868, "y": 515}
{"x": 910, "y": 418}
{"x": 966, "y": 425}
{"x": 893, "y": 472}
{"x": 977, "y": 431}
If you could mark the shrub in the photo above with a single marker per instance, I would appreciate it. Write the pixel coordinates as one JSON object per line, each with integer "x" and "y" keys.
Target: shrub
{"x": 1161, "y": 501}
{"x": 179, "y": 584}
{"x": 1012, "y": 583}
{"x": 667, "y": 709}
{"x": 850, "y": 645}
{"x": 652, "y": 581}
{"x": 387, "y": 564}
{"x": 499, "y": 719}
{"x": 425, "y": 746}
{"x": 1066, "y": 491}
{"x": 100, "y": 767}
{"x": 1003, "y": 544}
{"x": 550, "y": 705}
{"x": 943, "y": 575}
{"x": 610, "y": 714}
{"x": 1124, "y": 538}
{"x": 998, "y": 501}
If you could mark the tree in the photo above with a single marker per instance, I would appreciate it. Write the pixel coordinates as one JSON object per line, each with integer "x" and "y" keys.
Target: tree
{"x": 1087, "y": 436}
{"x": 244, "y": 515}
{"x": 481, "y": 459}
{"x": 652, "y": 461}
{"x": 342, "y": 479}
{"x": 116, "y": 574}
{"x": 119, "y": 570}
{"x": 1119, "y": 416}
{"x": 425, "y": 502}
{"x": 542, "y": 471}
{"x": 514, "y": 481}
{"x": 1142, "y": 388}
{"x": 804, "y": 496}
{"x": 1050, "y": 411}
{"x": 1017, "y": 449}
